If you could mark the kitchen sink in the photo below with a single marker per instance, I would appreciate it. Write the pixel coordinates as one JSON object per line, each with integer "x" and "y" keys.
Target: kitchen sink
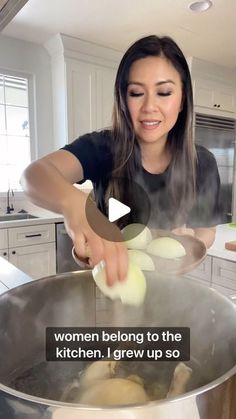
{"x": 13, "y": 217}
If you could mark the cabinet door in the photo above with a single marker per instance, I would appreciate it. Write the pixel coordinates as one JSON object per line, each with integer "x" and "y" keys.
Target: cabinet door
{"x": 81, "y": 98}
{"x": 105, "y": 80}
{"x": 90, "y": 90}
{"x": 215, "y": 96}
{"x": 4, "y": 253}
{"x": 203, "y": 94}
{"x": 224, "y": 273}
{"x": 3, "y": 239}
{"x": 224, "y": 99}
{"x": 37, "y": 261}
{"x": 202, "y": 272}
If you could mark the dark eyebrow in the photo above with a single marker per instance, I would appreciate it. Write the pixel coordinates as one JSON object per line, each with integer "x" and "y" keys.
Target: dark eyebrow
{"x": 159, "y": 83}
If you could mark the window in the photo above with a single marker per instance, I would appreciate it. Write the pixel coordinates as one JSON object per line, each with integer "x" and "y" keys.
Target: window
{"x": 15, "y": 153}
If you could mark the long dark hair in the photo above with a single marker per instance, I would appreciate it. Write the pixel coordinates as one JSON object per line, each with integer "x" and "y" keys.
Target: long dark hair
{"x": 125, "y": 148}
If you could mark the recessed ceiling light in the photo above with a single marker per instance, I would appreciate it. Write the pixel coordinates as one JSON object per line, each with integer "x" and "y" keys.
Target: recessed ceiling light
{"x": 200, "y": 6}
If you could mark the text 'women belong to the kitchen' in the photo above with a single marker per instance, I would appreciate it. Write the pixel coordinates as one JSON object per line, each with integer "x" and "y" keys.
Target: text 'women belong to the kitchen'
{"x": 140, "y": 344}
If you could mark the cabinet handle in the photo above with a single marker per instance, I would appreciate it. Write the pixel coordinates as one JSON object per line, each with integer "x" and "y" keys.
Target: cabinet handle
{"x": 215, "y": 105}
{"x": 4, "y": 253}
{"x": 33, "y": 235}
{"x": 13, "y": 252}
{"x": 218, "y": 106}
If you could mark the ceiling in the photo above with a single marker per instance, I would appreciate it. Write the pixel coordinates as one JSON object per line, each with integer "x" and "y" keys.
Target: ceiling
{"x": 117, "y": 23}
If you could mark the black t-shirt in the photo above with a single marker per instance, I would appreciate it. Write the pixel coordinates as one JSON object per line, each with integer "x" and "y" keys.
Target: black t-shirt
{"x": 94, "y": 153}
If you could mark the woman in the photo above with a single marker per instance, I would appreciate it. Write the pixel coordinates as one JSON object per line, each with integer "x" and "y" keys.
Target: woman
{"x": 150, "y": 142}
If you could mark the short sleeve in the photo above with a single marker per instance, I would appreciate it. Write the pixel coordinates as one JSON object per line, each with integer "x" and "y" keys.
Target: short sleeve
{"x": 94, "y": 153}
{"x": 207, "y": 210}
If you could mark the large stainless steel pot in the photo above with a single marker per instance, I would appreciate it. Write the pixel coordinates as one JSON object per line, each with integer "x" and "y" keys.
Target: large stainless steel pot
{"x": 72, "y": 300}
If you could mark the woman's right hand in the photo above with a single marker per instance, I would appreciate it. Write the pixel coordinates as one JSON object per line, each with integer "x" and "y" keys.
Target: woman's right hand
{"x": 48, "y": 183}
{"x": 89, "y": 245}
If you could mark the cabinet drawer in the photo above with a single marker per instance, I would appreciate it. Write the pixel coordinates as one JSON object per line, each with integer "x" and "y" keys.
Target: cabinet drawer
{"x": 3, "y": 239}
{"x": 35, "y": 234}
{"x": 203, "y": 271}
{"x": 224, "y": 273}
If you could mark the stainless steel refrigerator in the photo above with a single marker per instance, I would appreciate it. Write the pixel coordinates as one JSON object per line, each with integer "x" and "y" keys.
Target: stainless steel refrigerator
{"x": 217, "y": 134}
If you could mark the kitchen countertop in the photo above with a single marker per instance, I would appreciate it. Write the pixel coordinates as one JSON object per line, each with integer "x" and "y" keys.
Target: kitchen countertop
{"x": 224, "y": 233}
{"x": 44, "y": 217}
{"x": 11, "y": 277}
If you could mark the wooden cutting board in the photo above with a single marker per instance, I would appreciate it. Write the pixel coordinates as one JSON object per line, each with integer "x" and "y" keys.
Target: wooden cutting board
{"x": 231, "y": 245}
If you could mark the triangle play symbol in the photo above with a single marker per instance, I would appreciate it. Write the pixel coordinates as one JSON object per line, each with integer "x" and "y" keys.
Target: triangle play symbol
{"x": 116, "y": 209}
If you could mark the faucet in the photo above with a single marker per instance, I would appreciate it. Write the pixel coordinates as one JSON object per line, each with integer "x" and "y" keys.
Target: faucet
{"x": 9, "y": 208}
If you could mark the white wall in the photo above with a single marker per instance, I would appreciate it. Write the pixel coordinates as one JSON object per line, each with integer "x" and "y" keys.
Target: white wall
{"x": 33, "y": 59}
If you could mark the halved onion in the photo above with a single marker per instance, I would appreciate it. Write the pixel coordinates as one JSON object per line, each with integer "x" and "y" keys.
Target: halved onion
{"x": 131, "y": 291}
{"x": 141, "y": 236}
{"x": 166, "y": 247}
{"x": 141, "y": 259}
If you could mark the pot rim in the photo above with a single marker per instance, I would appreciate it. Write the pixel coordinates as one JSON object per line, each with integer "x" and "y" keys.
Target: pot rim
{"x": 58, "y": 404}
{"x": 77, "y": 406}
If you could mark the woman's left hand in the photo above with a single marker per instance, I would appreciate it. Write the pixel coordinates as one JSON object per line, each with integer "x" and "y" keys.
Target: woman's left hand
{"x": 206, "y": 235}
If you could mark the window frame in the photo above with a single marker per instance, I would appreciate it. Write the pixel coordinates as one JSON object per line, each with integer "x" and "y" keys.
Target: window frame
{"x": 32, "y": 114}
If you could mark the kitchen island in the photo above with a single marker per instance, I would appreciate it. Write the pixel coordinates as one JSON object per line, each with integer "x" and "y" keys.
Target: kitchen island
{"x": 10, "y": 276}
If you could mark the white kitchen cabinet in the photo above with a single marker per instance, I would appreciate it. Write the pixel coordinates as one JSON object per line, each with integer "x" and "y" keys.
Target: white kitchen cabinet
{"x": 224, "y": 274}
{"x": 31, "y": 249}
{"x": 3, "y": 239}
{"x": 89, "y": 98}
{"x": 36, "y": 261}
{"x": 83, "y": 76}
{"x": 215, "y": 96}
{"x": 105, "y": 81}
{"x": 4, "y": 253}
{"x": 202, "y": 273}
{"x": 220, "y": 274}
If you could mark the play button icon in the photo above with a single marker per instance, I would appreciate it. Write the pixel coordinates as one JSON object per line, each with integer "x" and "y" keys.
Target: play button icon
{"x": 129, "y": 207}
{"x": 116, "y": 209}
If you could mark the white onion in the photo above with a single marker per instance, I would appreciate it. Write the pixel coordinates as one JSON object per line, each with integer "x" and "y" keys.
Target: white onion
{"x": 130, "y": 291}
{"x": 166, "y": 247}
{"x": 139, "y": 241}
{"x": 141, "y": 259}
